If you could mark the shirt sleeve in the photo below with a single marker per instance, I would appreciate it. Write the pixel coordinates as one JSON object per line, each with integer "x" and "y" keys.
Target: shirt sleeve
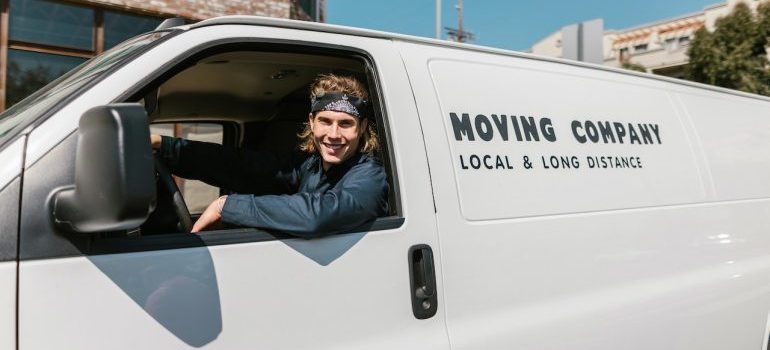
{"x": 241, "y": 171}
{"x": 357, "y": 199}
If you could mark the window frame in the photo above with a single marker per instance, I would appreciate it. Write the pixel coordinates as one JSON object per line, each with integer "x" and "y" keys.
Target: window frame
{"x": 671, "y": 44}
{"x": 110, "y": 244}
{"x": 624, "y": 53}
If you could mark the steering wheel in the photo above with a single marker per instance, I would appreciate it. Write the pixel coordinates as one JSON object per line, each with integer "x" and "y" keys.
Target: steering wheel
{"x": 180, "y": 207}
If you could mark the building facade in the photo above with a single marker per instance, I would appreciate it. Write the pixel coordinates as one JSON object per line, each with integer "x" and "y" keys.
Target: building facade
{"x": 659, "y": 47}
{"x": 42, "y": 39}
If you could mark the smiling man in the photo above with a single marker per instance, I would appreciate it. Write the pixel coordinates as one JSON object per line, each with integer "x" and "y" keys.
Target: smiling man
{"x": 337, "y": 186}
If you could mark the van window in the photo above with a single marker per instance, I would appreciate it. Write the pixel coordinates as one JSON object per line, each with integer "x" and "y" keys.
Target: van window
{"x": 262, "y": 96}
{"x": 198, "y": 195}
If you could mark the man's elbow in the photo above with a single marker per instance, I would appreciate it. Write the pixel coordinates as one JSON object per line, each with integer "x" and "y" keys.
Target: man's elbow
{"x": 313, "y": 228}
{"x": 327, "y": 225}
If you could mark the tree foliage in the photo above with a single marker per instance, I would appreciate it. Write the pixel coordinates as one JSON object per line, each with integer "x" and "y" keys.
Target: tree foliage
{"x": 633, "y": 66}
{"x": 733, "y": 55}
{"x": 23, "y": 82}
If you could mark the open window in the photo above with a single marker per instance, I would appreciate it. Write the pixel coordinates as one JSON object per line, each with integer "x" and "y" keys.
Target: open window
{"x": 197, "y": 194}
{"x": 250, "y": 96}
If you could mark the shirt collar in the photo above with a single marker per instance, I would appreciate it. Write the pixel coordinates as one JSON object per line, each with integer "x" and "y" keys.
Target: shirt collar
{"x": 337, "y": 169}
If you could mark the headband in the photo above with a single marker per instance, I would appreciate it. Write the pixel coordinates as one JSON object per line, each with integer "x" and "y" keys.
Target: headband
{"x": 338, "y": 102}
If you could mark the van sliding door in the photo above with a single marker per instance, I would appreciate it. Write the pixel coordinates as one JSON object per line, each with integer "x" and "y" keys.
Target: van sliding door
{"x": 576, "y": 208}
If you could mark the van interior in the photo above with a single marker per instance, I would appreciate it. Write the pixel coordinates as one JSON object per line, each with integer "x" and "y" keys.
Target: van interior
{"x": 243, "y": 97}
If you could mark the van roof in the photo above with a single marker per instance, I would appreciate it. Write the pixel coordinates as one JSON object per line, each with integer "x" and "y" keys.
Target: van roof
{"x": 338, "y": 29}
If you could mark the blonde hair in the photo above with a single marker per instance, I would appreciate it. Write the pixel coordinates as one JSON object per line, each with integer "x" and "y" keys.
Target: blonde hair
{"x": 336, "y": 83}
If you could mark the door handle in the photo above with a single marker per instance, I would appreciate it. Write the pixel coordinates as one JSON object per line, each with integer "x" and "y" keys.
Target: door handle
{"x": 422, "y": 276}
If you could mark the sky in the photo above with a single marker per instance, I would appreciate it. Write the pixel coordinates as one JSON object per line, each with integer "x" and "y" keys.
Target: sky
{"x": 507, "y": 24}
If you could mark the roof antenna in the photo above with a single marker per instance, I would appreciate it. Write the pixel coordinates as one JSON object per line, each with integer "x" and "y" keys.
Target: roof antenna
{"x": 459, "y": 34}
{"x": 171, "y": 22}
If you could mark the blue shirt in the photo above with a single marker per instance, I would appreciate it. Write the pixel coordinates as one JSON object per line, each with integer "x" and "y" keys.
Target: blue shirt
{"x": 290, "y": 193}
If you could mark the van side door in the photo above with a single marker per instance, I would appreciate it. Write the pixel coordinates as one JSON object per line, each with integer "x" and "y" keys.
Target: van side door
{"x": 235, "y": 288}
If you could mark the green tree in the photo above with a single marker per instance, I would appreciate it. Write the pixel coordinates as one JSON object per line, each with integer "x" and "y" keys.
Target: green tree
{"x": 23, "y": 82}
{"x": 763, "y": 19}
{"x": 733, "y": 55}
{"x": 633, "y": 66}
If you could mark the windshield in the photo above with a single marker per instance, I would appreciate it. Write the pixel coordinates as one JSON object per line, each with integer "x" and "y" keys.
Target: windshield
{"x": 29, "y": 109}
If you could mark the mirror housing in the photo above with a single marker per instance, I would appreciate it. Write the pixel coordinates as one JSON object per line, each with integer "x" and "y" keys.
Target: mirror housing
{"x": 114, "y": 172}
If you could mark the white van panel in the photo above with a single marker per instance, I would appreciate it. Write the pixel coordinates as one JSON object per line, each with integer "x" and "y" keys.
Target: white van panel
{"x": 640, "y": 126}
{"x": 261, "y": 295}
{"x": 677, "y": 278}
{"x": 10, "y": 162}
{"x": 735, "y": 134}
{"x": 684, "y": 272}
{"x": 8, "y": 305}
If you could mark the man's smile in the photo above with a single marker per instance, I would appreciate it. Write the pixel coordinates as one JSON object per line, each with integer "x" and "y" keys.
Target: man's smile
{"x": 334, "y": 146}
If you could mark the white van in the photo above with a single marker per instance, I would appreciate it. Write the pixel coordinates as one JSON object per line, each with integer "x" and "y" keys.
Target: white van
{"x": 535, "y": 203}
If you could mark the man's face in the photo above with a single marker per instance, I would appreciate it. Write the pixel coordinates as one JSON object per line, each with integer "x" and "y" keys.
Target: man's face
{"x": 337, "y": 135}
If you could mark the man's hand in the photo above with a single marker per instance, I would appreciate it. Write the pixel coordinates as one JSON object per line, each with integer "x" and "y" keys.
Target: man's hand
{"x": 211, "y": 215}
{"x": 155, "y": 141}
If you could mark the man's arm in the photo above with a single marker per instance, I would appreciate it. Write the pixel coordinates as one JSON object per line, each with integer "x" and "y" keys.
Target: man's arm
{"x": 359, "y": 197}
{"x": 237, "y": 170}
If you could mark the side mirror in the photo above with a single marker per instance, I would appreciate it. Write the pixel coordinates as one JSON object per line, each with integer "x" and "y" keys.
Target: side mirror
{"x": 114, "y": 172}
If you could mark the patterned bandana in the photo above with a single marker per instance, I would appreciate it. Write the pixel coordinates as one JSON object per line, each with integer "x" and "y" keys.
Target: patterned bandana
{"x": 339, "y": 102}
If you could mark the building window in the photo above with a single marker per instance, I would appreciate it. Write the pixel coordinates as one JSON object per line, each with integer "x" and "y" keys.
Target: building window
{"x": 44, "y": 22}
{"x": 640, "y": 48}
{"x": 310, "y": 7}
{"x": 684, "y": 41}
{"x": 47, "y": 38}
{"x": 670, "y": 44}
{"x": 122, "y": 26}
{"x": 28, "y": 71}
{"x": 624, "y": 54}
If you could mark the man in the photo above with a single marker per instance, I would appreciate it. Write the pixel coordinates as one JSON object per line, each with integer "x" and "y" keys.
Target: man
{"x": 337, "y": 186}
